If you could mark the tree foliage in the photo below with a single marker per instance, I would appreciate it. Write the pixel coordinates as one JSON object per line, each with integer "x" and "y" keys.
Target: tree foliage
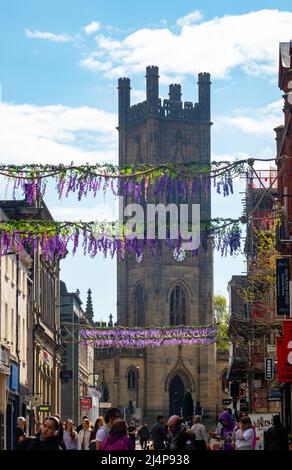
{"x": 221, "y": 317}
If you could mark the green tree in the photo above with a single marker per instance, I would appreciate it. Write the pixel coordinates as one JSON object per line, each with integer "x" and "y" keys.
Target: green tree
{"x": 221, "y": 317}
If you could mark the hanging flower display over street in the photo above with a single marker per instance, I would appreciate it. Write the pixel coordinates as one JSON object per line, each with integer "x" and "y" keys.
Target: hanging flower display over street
{"x": 146, "y": 337}
{"x": 110, "y": 238}
{"x": 183, "y": 179}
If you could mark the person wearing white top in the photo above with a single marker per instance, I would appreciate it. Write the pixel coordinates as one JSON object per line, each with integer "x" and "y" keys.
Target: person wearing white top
{"x": 84, "y": 436}
{"x": 244, "y": 435}
{"x": 199, "y": 430}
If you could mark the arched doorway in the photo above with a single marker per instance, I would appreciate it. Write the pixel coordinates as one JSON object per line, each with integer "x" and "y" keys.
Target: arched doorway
{"x": 176, "y": 395}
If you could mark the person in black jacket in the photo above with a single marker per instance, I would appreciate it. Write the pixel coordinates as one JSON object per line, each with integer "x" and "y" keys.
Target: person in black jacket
{"x": 47, "y": 439}
{"x": 144, "y": 435}
{"x": 277, "y": 436}
{"x": 158, "y": 433}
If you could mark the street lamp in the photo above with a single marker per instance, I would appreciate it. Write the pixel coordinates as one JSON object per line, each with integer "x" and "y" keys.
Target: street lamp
{"x": 137, "y": 386}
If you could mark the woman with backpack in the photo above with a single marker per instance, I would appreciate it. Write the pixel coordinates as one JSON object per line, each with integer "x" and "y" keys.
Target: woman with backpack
{"x": 118, "y": 438}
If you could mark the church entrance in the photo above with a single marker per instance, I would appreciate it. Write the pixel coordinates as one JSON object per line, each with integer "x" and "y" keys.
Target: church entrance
{"x": 176, "y": 395}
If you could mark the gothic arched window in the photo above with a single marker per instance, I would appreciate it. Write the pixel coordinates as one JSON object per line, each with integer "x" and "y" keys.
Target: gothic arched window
{"x": 178, "y": 306}
{"x": 131, "y": 380}
{"x": 139, "y": 307}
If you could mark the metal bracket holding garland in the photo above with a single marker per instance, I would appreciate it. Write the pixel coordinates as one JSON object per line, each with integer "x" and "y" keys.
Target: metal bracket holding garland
{"x": 169, "y": 178}
{"x": 57, "y": 238}
{"x": 119, "y": 337}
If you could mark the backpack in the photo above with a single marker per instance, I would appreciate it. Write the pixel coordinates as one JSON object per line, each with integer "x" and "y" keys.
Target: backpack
{"x": 188, "y": 441}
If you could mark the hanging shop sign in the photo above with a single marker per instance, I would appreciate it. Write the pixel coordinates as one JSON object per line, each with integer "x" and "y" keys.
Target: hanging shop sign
{"x": 269, "y": 368}
{"x": 45, "y": 408}
{"x": 226, "y": 401}
{"x": 66, "y": 374}
{"x": 86, "y": 402}
{"x": 284, "y": 354}
{"x": 283, "y": 286}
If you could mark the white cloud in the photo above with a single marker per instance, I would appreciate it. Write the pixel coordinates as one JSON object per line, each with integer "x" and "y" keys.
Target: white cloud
{"x": 137, "y": 96}
{"x": 92, "y": 27}
{"x": 258, "y": 122}
{"x": 249, "y": 41}
{"x": 57, "y": 134}
{"x": 48, "y": 36}
{"x": 193, "y": 17}
{"x": 95, "y": 65}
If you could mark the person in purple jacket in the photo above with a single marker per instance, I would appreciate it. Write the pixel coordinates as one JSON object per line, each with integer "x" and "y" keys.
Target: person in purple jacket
{"x": 118, "y": 438}
{"x": 228, "y": 425}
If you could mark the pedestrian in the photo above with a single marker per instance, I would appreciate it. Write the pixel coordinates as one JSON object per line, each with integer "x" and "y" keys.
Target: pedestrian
{"x": 182, "y": 439}
{"x": 47, "y": 439}
{"x": 70, "y": 436}
{"x": 228, "y": 424}
{"x": 20, "y": 430}
{"x": 199, "y": 431}
{"x": 243, "y": 414}
{"x": 277, "y": 436}
{"x": 84, "y": 436}
{"x": 117, "y": 438}
{"x": 132, "y": 432}
{"x": 80, "y": 426}
{"x": 144, "y": 435}
{"x": 98, "y": 423}
{"x": 198, "y": 409}
{"x": 111, "y": 415}
{"x": 60, "y": 432}
{"x": 244, "y": 436}
{"x": 158, "y": 434}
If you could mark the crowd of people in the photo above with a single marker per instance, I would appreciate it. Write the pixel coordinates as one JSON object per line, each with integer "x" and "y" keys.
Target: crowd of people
{"x": 111, "y": 433}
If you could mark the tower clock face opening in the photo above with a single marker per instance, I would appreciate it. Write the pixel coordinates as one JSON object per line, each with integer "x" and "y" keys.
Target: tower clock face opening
{"x": 179, "y": 254}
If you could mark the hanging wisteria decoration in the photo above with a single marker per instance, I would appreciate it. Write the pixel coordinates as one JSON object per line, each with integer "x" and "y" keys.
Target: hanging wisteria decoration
{"x": 146, "y": 337}
{"x": 58, "y": 238}
{"x": 180, "y": 179}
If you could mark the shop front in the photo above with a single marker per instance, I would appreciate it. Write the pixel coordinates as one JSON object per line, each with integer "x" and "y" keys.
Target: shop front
{"x": 12, "y": 409}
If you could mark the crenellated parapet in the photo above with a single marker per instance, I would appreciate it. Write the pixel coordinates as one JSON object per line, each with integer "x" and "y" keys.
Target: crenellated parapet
{"x": 171, "y": 108}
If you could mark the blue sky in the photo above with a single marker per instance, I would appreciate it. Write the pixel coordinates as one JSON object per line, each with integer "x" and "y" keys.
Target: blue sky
{"x": 59, "y": 64}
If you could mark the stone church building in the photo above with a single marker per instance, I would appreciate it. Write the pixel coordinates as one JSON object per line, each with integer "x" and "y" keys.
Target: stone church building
{"x": 173, "y": 288}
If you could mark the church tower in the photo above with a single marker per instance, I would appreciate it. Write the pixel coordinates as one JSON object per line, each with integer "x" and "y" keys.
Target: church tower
{"x": 173, "y": 288}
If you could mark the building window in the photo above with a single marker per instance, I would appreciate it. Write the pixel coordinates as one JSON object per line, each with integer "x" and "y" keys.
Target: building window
{"x": 131, "y": 380}
{"x": 105, "y": 393}
{"x": 178, "y": 306}
{"x": 139, "y": 306}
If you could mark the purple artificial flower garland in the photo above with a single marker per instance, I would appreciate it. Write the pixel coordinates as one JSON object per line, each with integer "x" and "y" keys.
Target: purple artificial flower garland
{"x": 146, "y": 337}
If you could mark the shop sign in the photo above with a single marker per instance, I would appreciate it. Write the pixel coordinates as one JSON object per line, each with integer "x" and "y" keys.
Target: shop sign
{"x": 45, "y": 408}
{"x": 226, "y": 401}
{"x": 86, "y": 402}
{"x": 283, "y": 286}
{"x": 104, "y": 404}
{"x": 269, "y": 368}
{"x": 66, "y": 374}
{"x": 262, "y": 422}
{"x": 284, "y": 354}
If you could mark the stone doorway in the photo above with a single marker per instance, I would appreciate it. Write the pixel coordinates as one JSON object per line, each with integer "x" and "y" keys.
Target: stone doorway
{"x": 176, "y": 395}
